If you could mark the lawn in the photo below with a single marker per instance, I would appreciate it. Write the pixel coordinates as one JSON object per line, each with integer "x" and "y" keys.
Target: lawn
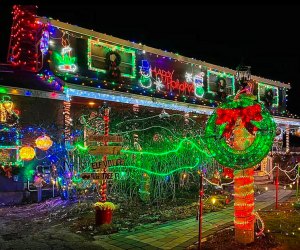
{"x": 282, "y": 231}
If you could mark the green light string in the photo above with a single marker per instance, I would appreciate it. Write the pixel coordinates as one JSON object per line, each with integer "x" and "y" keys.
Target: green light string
{"x": 80, "y": 147}
{"x": 96, "y": 119}
{"x": 180, "y": 145}
{"x": 150, "y": 172}
{"x": 144, "y": 129}
{"x": 151, "y": 117}
{"x": 167, "y": 152}
{"x": 136, "y": 120}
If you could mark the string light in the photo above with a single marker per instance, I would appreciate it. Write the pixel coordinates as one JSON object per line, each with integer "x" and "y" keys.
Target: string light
{"x": 287, "y": 134}
{"x": 213, "y": 200}
{"x": 150, "y": 172}
{"x": 67, "y": 118}
{"x": 24, "y": 38}
{"x": 137, "y": 101}
{"x": 180, "y": 145}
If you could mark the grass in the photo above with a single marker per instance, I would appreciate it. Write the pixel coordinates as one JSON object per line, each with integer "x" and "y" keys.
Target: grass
{"x": 282, "y": 231}
{"x": 284, "y": 224}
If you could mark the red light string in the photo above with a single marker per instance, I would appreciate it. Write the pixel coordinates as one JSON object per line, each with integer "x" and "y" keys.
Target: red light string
{"x": 244, "y": 200}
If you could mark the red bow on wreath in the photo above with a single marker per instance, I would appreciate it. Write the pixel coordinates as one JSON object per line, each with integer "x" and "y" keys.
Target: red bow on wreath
{"x": 230, "y": 116}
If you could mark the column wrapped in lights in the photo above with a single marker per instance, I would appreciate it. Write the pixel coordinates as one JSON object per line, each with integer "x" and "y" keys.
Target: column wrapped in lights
{"x": 240, "y": 134}
{"x": 287, "y": 138}
{"x": 67, "y": 119}
{"x": 106, "y": 133}
{"x": 244, "y": 205}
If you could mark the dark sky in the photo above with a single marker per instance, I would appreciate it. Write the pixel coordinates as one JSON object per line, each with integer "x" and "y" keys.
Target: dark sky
{"x": 264, "y": 36}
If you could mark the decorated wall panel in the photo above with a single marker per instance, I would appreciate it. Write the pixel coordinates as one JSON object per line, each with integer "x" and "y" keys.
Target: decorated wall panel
{"x": 97, "y": 63}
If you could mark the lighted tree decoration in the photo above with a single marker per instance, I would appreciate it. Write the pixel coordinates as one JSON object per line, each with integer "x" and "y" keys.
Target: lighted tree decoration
{"x": 240, "y": 134}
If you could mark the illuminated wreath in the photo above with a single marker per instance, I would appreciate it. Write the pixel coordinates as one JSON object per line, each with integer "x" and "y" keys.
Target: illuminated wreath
{"x": 221, "y": 84}
{"x": 257, "y": 124}
{"x": 113, "y": 60}
{"x": 112, "y": 57}
{"x": 269, "y": 96}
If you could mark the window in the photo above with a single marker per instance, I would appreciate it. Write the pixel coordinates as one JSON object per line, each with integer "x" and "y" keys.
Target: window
{"x": 213, "y": 79}
{"x": 97, "y": 52}
{"x": 262, "y": 88}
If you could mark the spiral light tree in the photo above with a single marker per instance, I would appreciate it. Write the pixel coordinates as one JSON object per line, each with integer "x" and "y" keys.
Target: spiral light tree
{"x": 240, "y": 134}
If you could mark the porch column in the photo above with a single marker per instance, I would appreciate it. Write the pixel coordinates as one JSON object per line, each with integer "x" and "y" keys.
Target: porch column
{"x": 287, "y": 138}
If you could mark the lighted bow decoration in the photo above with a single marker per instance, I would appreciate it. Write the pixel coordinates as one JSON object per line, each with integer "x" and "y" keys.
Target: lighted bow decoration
{"x": 230, "y": 116}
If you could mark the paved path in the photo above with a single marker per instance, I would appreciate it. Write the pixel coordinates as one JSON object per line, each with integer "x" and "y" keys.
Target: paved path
{"x": 183, "y": 233}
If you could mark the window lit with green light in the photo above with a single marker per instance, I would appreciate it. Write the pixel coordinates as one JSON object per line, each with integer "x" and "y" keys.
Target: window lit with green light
{"x": 262, "y": 87}
{"x": 217, "y": 75}
{"x": 96, "y": 57}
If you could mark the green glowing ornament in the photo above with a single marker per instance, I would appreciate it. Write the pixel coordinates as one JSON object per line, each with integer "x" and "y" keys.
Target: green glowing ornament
{"x": 240, "y": 132}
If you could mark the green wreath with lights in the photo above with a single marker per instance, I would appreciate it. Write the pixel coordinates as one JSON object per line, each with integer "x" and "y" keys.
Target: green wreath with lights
{"x": 255, "y": 121}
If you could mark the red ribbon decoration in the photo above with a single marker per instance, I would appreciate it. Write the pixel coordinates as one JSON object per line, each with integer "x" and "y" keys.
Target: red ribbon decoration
{"x": 230, "y": 116}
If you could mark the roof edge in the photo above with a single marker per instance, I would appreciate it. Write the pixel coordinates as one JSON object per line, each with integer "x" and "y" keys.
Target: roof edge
{"x": 139, "y": 46}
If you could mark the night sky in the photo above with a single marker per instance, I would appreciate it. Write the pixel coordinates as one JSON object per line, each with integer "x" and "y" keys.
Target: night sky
{"x": 264, "y": 37}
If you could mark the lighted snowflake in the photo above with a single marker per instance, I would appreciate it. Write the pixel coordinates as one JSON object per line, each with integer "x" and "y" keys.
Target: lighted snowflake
{"x": 189, "y": 77}
{"x": 159, "y": 84}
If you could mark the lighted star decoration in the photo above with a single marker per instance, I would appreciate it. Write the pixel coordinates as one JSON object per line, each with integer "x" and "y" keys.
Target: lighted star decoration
{"x": 189, "y": 77}
{"x": 159, "y": 84}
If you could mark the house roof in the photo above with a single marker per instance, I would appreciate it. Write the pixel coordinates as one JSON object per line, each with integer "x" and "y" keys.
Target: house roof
{"x": 97, "y": 35}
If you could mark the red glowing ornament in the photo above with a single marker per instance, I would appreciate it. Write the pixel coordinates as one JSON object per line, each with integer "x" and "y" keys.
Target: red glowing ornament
{"x": 27, "y": 153}
{"x": 43, "y": 142}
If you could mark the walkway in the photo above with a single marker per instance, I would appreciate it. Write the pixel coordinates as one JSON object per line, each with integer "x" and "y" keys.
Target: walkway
{"x": 181, "y": 234}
